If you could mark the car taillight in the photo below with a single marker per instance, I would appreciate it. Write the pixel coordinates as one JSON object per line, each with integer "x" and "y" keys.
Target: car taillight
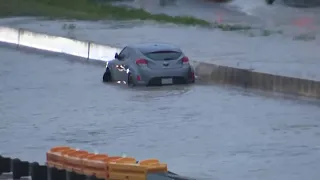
{"x": 185, "y": 60}
{"x": 141, "y": 62}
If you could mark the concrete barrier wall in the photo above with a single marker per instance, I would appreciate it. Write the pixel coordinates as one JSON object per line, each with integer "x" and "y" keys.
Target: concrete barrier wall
{"x": 88, "y": 50}
{"x": 205, "y": 71}
{"x": 9, "y": 35}
{"x": 51, "y": 43}
{"x": 258, "y": 80}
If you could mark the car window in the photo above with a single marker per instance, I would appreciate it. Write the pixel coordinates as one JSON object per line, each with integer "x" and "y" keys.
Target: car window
{"x": 124, "y": 53}
{"x": 163, "y": 55}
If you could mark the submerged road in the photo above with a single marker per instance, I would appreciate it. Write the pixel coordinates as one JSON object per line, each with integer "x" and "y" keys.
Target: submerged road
{"x": 207, "y": 132}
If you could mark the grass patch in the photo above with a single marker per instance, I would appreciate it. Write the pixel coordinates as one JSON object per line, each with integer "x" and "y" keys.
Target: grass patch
{"x": 90, "y": 10}
{"x": 229, "y": 27}
{"x": 12, "y": 8}
{"x": 86, "y": 10}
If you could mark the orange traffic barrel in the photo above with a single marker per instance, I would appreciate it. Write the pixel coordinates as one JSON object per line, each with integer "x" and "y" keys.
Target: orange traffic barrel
{"x": 96, "y": 165}
{"x": 128, "y": 169}
{"x": 54, "y": 156}
{"x": 73, "y": 160}
{"x": 154, "y": 166}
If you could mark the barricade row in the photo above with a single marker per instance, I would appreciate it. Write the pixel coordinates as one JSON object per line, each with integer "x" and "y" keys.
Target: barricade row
{"x": 204, "y": 71}
{"x": 101, "y": 165}
{"x": 65, "y": 163}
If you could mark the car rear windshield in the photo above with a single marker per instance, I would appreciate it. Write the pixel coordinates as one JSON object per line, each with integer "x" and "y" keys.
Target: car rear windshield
{"x": 163, "y": 55}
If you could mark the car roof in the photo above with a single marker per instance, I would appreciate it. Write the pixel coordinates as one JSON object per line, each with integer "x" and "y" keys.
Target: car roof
{"x": 152, "y": 47}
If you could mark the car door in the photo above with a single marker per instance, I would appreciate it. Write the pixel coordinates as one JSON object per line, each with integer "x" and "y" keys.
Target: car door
{"x": 122, "y": 63}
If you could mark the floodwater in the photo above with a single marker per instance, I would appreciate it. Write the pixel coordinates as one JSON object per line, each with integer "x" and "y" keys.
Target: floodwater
{"x": 284, "y": 39}
{"x": 273, "y": 54}
{"x": 206, "y": 132}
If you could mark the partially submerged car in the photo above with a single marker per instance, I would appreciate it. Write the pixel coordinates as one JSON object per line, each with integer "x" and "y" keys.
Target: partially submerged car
{"x": 150, "y": 64}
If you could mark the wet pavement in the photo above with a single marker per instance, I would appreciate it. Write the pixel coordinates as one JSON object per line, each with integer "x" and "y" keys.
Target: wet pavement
{"x": 255, "y": 13}
{"x": 207, "y": 132}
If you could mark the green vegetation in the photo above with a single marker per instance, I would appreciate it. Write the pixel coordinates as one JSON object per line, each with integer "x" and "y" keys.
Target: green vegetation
{"x": 229, "y": 27}
{"x": 89, "y": 10}
{"x": 10, "y": 8}
{"x": 86, "y": 10}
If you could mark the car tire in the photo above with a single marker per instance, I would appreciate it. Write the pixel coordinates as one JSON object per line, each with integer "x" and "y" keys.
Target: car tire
{"x": 130, "y": 81}
{"x": 191, "y": 79}
{"x": 107, "y": 76}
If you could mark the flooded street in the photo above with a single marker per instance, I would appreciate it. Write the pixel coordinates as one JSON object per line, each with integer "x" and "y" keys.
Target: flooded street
{"x": 273, "y": 54}
{"x": 207, "y": 132}
{"x": 204, "y": 131}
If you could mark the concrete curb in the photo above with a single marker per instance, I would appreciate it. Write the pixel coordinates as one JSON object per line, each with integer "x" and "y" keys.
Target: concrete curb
{"x": 257, "y": 80}
{"x": 94, "y": 52}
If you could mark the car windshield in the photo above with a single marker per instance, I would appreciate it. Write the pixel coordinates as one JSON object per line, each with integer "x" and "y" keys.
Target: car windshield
{"x": 163, "y": 55}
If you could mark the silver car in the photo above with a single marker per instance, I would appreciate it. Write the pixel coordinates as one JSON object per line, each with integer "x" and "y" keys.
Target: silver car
{"x": 150, "y": 64}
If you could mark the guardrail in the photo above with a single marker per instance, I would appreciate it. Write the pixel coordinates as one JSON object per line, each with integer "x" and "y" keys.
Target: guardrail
{"x": 65, "y": 163}
{"x": 205, "y": 71}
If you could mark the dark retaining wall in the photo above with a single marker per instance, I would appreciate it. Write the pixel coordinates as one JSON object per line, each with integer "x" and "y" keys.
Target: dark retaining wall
{"x": 20, "y": 169}
{"x": 257, "y": 80}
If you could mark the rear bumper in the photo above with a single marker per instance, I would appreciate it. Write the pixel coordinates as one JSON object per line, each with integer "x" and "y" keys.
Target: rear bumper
{"x": 152, "y": 77}
{"x": 175, "y": 80}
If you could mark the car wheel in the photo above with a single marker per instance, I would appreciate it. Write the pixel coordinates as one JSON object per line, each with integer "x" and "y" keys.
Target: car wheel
{"x": 191, "y": 77}
{"x": 107, "y": 76}
{"x": 130, "y": 81}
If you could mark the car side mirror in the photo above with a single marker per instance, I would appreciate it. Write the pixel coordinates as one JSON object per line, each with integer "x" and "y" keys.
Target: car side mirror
{"x": 116, "y": 56}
